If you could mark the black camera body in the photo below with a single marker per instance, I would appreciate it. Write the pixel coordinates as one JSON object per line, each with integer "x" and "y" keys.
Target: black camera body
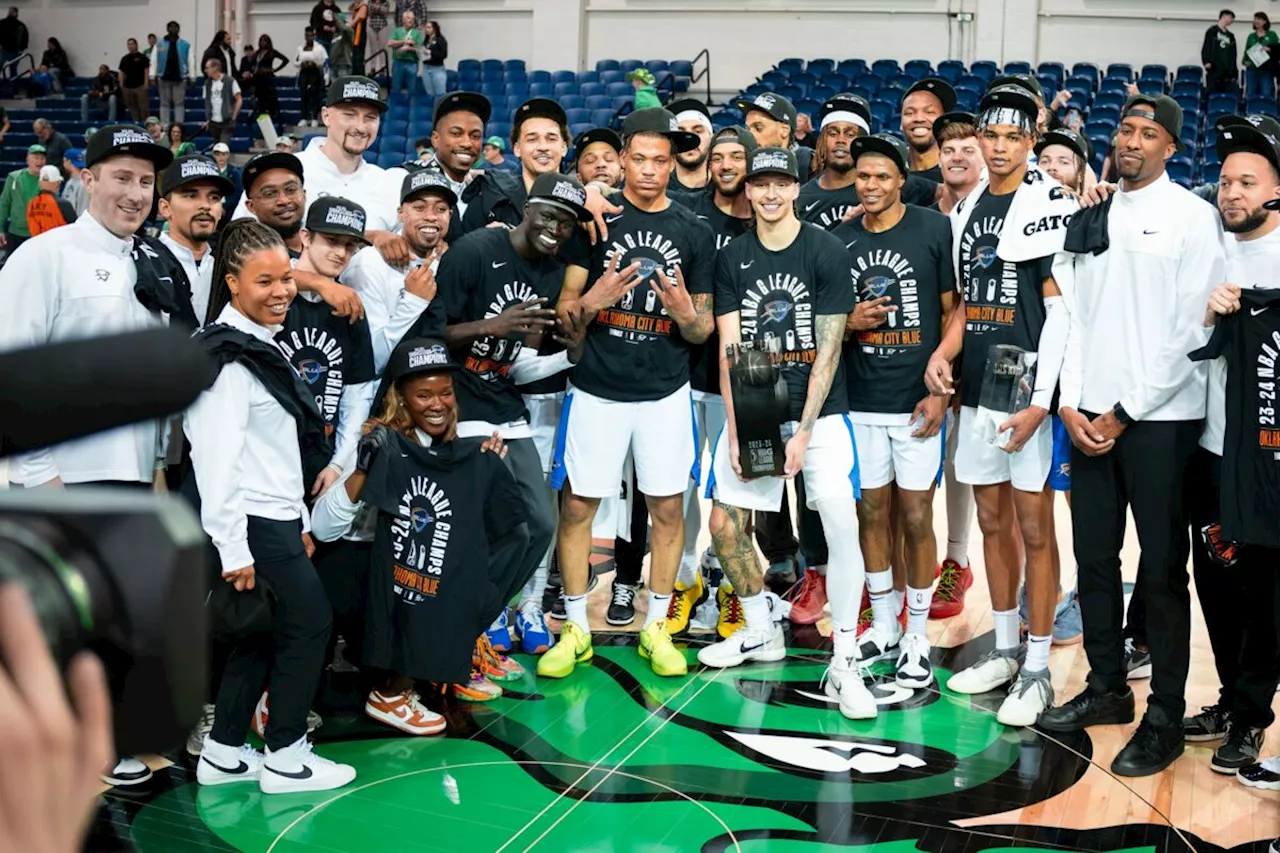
{"x": 123, "y": 574}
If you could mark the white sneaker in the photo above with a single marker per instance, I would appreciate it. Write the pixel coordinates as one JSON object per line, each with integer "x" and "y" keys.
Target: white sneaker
{"x": 1029, "y": 697}
{"x": 220, "y": 764}
{"x": 877, "y": 644}
{"x": 843, "y": 681}
{"x": 991, "y": 671}
{"x": 128, "y": 771}
{"x": 195, "y": 740}
{"x": 296, "y": 768}
{"x": 914, "y": 669}
{"x": 743, "y": 646}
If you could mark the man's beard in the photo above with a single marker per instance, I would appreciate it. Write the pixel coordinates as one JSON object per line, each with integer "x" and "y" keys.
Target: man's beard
{"x": 840, "y": 167}
{"x": 928, "y": 145}
{"x": 732, "y": 192}
{"x": 1254, "y": 220}
{"x": 700, "y": 159}
{"x": 287, "y": 232}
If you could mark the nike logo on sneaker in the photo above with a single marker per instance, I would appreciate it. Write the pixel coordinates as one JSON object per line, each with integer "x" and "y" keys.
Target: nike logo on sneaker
{"x": 242, "y": 768}
{"x": 746, "y": 648}
{"x": 305, "y": 773}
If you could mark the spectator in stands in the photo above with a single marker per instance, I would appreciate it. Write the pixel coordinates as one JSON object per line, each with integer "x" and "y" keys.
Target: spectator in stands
{"x": 805, "y": 136}
{"x": 311, "y": 59}
{"x": 104, "y": 88}
{"x": 358, "y": 21}
{"x": 404, "y": 43}
{"x": 423, "y": 148}
{"x": 641, "y": 79}
{"x": 1259, "y": 77}
{"x": 178, "y": 142}
{"x": 73, "y": 187}
{"x": 54, "y": 142}
{"x": 151, "y": 45}
{"x": 324, "y": 23}
{"x": 13, "y": 39}
{"x": 19, "y": 188}
{"x": 170, "y": 71}
{"x": 493, "y": 158}
{"x": 133, "y": 81}
{"x": 379, "y": 12}
{"x": 340, "y": 50}
{"x": 156, "y": 129}
{"x": 267, "y": 64}
{"x": 220, "y": 49}
{"x": 286, "y": 144}
{"x": 1218, "y": 54}
{"x": 4, "y": 124}
{"x": 222, "y": 101}
{"x": 47, "y": 211}
{"x": 244, "y": 74}
{"x": 222, "y": 156}
{"x": 435, "y": 50}
{"x": 55, "y": 61}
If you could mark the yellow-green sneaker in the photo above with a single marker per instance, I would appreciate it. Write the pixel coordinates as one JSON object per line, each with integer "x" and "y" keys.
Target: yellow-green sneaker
{"x": 573, "y": 647}
{"x": 657, "y": 648}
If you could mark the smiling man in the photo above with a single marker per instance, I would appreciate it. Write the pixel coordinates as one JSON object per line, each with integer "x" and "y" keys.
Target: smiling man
{"x": 924, "y": 102}
{"x": 597, "y": 158}
{"x": 192, "y": 192}
{"x": 540, "y": 141}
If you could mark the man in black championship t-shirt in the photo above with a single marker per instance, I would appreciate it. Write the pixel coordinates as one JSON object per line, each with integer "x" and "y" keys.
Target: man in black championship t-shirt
{"x": 494, "y": 285}
{"x": 901, "y": 261}
{"x": 1006, "y": 458}
{"x": 333, "y": 355}
{"x": 831, "y": 196}
{"x": 649, "y": 301}
{"x": 788, "y": 281}
{"x": 922, "y": 105}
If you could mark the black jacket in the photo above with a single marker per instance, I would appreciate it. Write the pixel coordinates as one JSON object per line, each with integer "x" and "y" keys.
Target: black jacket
{"x": 220, "y": 53}
{"x": 13, "y": 35}
{"x": 1219, "y": 52}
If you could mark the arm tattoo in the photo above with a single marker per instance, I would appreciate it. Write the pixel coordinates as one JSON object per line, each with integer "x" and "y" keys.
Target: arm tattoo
{"x": 830, "y": 330}
{"x": 736, "y": 553}
{"x": 704, "y": 322}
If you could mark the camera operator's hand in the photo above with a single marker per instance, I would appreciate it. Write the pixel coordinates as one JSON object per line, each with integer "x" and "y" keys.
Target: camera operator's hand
{"x": 53, "y": 752}
{"x": 242, "y": 578}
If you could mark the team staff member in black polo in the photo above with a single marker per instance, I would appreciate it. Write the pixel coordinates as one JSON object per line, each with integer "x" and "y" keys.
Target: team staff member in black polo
{"x": 648, "y": 304}
{"x": 922, "y": 105}
{"x": 1133, "y": 404}
{"x": 900, "y": 256}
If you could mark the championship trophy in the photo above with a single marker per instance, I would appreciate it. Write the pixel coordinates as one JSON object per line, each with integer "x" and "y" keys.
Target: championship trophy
{"x": 1007, "y": 383}
{"x": 760, "y": 406}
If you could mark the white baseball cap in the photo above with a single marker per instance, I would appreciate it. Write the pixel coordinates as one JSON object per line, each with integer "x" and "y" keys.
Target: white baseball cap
{"x": 221, "y": 148}
{"x": 50, "y": 173}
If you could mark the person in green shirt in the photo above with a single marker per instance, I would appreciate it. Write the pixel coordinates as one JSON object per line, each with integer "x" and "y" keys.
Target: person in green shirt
{"x": 404, "y": 43}
{"x": 1259, "y": 77}
{"x": 20, "y": 187}
{"x": 646, "y": 95}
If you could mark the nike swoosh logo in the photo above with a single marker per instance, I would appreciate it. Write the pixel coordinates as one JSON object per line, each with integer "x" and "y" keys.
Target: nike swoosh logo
{"x": 497, "y": 265}
{"x": 612, "y": 219}
{"x": 305, "y": 773}
{"x": 242, "y": 768}
{"x": 851, "y": 245}
{"x": 1150, "y": 232}
{"x": 703, "y": 216}
{"x": 1254, "y": 312}
{"x": 746, "y": 265}
{"x": 746, "y": 649}
{"x": 809, "y": 207}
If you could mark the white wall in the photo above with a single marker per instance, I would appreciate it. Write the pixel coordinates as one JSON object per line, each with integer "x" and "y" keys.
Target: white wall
{"x": 94, "y": 31}
{"x": 1168, "y": 32}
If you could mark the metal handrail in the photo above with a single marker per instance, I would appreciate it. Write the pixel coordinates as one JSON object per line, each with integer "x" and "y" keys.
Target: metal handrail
{"x": 705, "y": 72}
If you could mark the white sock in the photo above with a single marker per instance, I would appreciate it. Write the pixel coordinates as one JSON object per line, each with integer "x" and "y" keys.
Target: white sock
{"x": 1006, "y": 625}
{"x": 958, "y": 552}
{"x": 918, "y": 601}
{"x": 844, "y": 645}
{"x": 884, "y": 605}
{"x": 658, "y": 605}
{"x": 1038, "y": 653}
{"x": 688, "y": 573}
{"x": 899, "y": 599}
{"x": 575, "y": 610}
{"x": 756, "y": 610}
{"x": 533, "y": 589}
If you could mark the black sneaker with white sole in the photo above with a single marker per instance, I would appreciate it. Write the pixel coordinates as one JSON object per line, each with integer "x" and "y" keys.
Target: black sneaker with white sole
{"x": 1137, "y": 662}
{"x": 1239, "y": 748}
{"x": 127, "y": 772}
{"x": 1209, "y": 724}
{"x": 622, "y": 609}
{"x": 1265, "y": 775}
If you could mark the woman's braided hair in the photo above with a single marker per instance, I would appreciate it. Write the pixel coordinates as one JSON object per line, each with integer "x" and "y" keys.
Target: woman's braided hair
{"x": 238, "y": 241}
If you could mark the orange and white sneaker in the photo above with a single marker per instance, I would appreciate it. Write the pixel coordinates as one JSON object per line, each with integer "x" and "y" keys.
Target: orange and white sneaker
{"x": 403, "y": 711}
{"x": 494, "y": 665}
{"x": 478, "y": 689}
{"x": 263, "y": 712}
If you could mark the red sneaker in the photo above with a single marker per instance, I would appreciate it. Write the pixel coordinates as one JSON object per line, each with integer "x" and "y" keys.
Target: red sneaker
{"x": 953, "y": 583}
{"x": 808, "y": 599}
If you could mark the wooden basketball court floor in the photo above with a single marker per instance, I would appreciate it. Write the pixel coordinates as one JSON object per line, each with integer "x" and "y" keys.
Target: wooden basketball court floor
{"x": 750, "y": 759}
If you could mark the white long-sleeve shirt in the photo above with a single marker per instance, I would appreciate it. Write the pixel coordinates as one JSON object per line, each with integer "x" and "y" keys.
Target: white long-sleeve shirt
{"x": 72, "y": 283}
{"x": 245, "y": 454}
{"x": 389, "y": 308}
{"x": 199, "y": 274}
{"x": 1139, "y": 307}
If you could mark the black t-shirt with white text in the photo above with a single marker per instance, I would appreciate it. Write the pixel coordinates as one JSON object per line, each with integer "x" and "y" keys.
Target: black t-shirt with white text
{"x": 328, "y": 352}
{"x": 911, "y": 264}
{"x": 704, "y": 368}
{"x": 1004, "y": 302}
{"x": 431, "y": 587}
{"x": 780, "y": 295}
{"x": 827, "y": 208}
{"x": 634, "y": 351}
{"x": 478, "y": 278}
{"x": 1250, "y": 341}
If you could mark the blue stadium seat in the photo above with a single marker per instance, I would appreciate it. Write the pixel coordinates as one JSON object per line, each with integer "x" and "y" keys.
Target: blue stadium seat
{"x": 598, "y": 102}
{"x": 539, "y": 77}
{"x": 577, "y": 116}
{"x": 791, "y": 93}
{"x": 804, "y": 80}
{"x": 861, "y": 92}
{"x": 1228, "y": 100}
{"x": 588, "y": 77}
{"x": 1053, "y": 69}
{"x": 973, "y": 81}
{"x": 493, "y": 90}
{"x": 882, "y": 111}
{"x": 393, "y": 142}
{"x": 1120, "y": 69}
{"x": 1209, "y": 174}
{"x": 588, "y": 90}
{"x": 852, "y": 68}
{"x": 967, "y": 100}
{"x": 385, "y": 160}
{"x": 514, "y": 65}
{"x": 1111, "y": 115}
{"x": 986, "y": 69}
{"x": 818, "y": 67}
{"x": 918, "y": 68}
{"x": 581, "y": 127}
{"x": 1109, "y": 99}
{"x": 1210, "y": 136}
{"x": 1211, "y": 157}
{"x": 903, "y": 81}
{"x": 1148, "y": 86}
{"x": 822, "y": 93}
{"x": 1017, "y": 68}
{"x": 499, "y": 128}
{"x": 471, "y": 66}
{"x": 542, "y": 90}
{"x": 491, "y": 65}
{"x": 951, "y": 69}
{"x": 681, "y": 68}
{"x": 810, "y": 107}
{"x": 1189, "y": 72}
{"x": 1084, "y": 81}
{"x": 573, "y": 102}
{"x": 1049, "y": 84}
{"x": 839, "y": 82}
{"x": 563, "y": 89}
{"x": 611, "y": 77}
{"x": 602, "y": 118}
{"x": 626, "y": 66}
{"x": 419, "y": 128}
{"x": 490, "y": 75}
{"x": 564, "y": 77}
{"x": 791, "y": 65}
{"x": 869, "y": 81}
{"x": 885, "y": 68}
{"x": 656, "y": 66}
{"x": 1261, "y": 106}
{"x": 1187, "y": 89}
{"x": 1154, "y": 72}
{"x": 615, "y": 90}
{"x": 397, "y": 99}
{"x": 603, "y": 65}
{"x": 1086, "y": 69}
{"x": 518, "y": 90}
{"x": 620, "y": 101}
